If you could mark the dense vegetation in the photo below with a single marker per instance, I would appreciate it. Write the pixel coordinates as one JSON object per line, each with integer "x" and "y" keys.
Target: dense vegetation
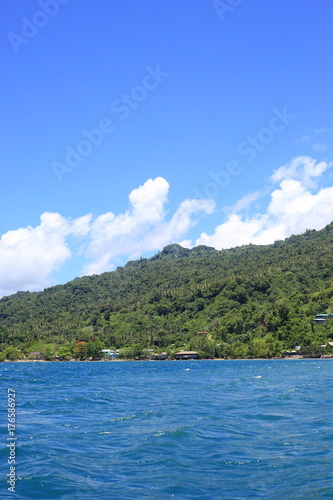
{"x": 252, "y": 301}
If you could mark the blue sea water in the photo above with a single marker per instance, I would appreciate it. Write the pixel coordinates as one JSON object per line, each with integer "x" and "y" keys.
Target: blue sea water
{"x": 170, "y": 429}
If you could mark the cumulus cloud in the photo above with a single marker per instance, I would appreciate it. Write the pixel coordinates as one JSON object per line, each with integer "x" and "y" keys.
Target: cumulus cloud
{"x": 30, "y": 256}
{"x": 142, "y": 228}
{"x": 293, "y": 208}
{"x": 302, "y": 168}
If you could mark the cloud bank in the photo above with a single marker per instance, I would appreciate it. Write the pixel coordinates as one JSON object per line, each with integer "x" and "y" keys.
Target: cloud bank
{"x": 295, "y": 205}
{"x": 30, "y": 256}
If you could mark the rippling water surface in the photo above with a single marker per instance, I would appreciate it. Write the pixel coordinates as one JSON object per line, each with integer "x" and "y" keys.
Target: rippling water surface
{"x": 163, "y": 430}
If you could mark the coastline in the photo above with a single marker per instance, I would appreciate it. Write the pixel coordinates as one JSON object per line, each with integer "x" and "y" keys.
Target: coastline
{"x": 289, "y": 358}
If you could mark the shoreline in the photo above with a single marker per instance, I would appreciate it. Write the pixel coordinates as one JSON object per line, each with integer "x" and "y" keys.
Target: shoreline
{"x": 289, "y": 358}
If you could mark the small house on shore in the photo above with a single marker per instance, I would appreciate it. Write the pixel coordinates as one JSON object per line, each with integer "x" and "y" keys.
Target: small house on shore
{"x": 34, "y": 355}
{"x": 110, "y": 354}
{"x": 186, "y": 355}
{"x": 161, "y": 356}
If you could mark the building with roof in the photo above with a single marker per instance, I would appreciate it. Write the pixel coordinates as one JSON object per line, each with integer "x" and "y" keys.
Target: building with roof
{"x": 159, "y": 356}
{"x": 34, "y": 355}
{"x": 186, "y": 355}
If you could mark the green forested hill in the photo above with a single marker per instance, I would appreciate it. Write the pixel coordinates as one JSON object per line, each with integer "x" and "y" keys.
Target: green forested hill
{"x": 246, "y": 298}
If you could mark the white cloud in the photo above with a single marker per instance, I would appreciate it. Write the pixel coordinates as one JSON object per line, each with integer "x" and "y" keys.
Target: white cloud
{"x": 81, "y": 225}
{"x": 302, "y": 168}
{"x": 148, "y": 200}
{"x": 292, "y": 209}
{"x": 111, "y": 234}
{"x": 245, "y": 202}
{"x": 186, "y": 244}
{"x": 142, "y": 228}
{"x": 29, "y": 256}
{"x": 232, "y": 233}
{"x": 306, "y": 138}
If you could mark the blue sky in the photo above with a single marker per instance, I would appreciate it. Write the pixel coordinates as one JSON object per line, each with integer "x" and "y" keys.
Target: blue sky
{"x": 130, "y": 125}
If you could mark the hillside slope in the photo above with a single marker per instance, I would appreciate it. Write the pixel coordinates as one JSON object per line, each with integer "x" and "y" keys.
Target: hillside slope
{"x": 237, "y": 295}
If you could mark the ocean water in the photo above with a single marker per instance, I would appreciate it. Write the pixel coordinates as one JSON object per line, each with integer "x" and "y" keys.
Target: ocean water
{"x": 170, "y": 430}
